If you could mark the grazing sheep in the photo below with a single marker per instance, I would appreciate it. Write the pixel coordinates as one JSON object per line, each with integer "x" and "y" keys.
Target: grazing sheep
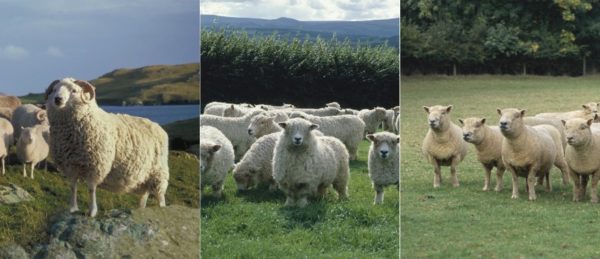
{"x": 530, "y": 151}
{"x": 11, "y": 102}
{"x": 262, "y": 125}
{"x": 6, "y": 139}
{"x": 28, "y": 115}
{"x": 6, "y": 113}
{"x": 32, "y": 148}
{"x": 443, "y": 145}
{"x": 346, "y": 128}
{"x": 582, "y": 157}
{"x": 305, "y": 164}
{"x": 256, "y": 165}
{"x": 488, "y": 143}
{"x": 235, "y": 129}
{"x": 216, "y": 158}
{"x": 372, "y": 119}
{"x": 384, "y": 162}
{"x": 589, "y": 111}
{"x": 334, "y": 105}
{"x": 116, "y": 152}
{"x": 322, "y": 112}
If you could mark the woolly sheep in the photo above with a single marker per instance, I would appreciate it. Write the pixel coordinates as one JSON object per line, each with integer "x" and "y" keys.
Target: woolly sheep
{"x": 235, "y": 129}
{"x": 216, "y": 108}
{"x": 6, "y": 139}
{"x": 530, "y": 151}
{"x": 372, "y": 118}
{"x": 327, "y": 111}
{"x": 556, "y": 123}
{"x": 488, "y": 143}
{"x": 116, "y": 152}
{"x": 262, "y": 125}
{"x": 384, "y": 162}
{"x": 28, "y": 115}
{"x": 346, "y": 128}
{"x": 588, "y": 111}
{"x": 334, "y": 105}
{"x": 11, "y": 102}
{"x": 305, "y": 164}
{"x": 238, "y": 111}
{"x": 32, "y": 148}
{"x": 443, "y": 145}
{"x": 216, "y": 158}
{"x": 582, "y": 157}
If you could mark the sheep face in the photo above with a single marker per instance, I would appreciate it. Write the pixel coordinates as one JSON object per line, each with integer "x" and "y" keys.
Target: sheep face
{"x": 384, "y": 144}
{"x": 69, "y": 92}
{"x": 578, "y": 131}
{"x": 258, "y": 124}
{"x": 27, "y": 135}
{"x": 297, "y": 132}
{"x": 591, "y": 107}
{"x": 437, "y": 115}
{"x": 245, "y": 178}
{"x": 207, "y": 153}
{"x": 510, "y": 119}
{"x": 472, "y": 129}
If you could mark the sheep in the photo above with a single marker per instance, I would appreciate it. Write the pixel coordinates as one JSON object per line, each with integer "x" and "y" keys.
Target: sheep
{"x": 443, "y": 145}
{"x": 334, "y": 105}
{"x": 6, "y": 139}
{"x": 372, "y": 119}
{"x": 116, "y": 152}
{"x": 305, "y": 164}
{"x": 388, "y": 122}
{"x": 235, "y": 129}
{"x": 262, "y": 125}
{"x": 384, "y": 162}
{"x": 327, "y": 111}
{"x": 346, "y": 128}
{"x": 216, "y": 108}
{"x": 488, "y": 143}
{"x": 581, "y": 155}
{"x": 349, "y": 111}
{"x": 28, "y": 115}
{"x": 6, "y": 113}
{"x": 556, "y": 123}
{"x": 216, "y": 158}
{"x": 530, "y": 151}
{"x": 11, "y": 102}
{"x": 233, "y": 111}
{"x": 589, "y": 111}
{"x": 256, "y": 165}
{"x": 32, "y": 148}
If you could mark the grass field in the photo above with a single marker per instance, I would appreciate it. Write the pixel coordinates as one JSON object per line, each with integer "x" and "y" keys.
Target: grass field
{"x": 467, "y": 222}
{"x": 25, "y": 223}
{"x": 254, "y": 224}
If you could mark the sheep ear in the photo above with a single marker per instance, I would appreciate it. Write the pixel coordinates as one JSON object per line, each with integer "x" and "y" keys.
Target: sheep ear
{"x": 41, "y": 115}
{"x": 313, "y": 126}
{"x": 482, "y": 121}
{"x": 523, "y": 112}
{"x": 88, "y": 89}
{"x": 49, "y": 89}
{"x": 282, "y": 124}
{"x": 589, "y": 122}
{"x": 398, "y": 140}
{"x": 499, "y": 111}
{"x": 585, "y": 107}
{"x": 449, "y": 108}
{"x": 215, "y": 148}
{"x": 596, "y": 116}
{"x": 371, "y": 137}
{"x": 426, "y": 109}
{"x": 563, "y": 122}
{"x": 264, "y": 107}
{"x": 461, "y": 122}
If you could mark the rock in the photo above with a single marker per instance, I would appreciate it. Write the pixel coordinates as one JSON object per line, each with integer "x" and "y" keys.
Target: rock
{"x": 12, "y": 251}
{"x": 13, "y": 194}
{"x": 153, "y": 232}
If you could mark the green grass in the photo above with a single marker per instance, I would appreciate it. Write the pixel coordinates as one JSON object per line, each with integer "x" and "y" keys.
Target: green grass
{"x": 25, "y": 223}
{"x": 467, "y": 222}
{"x": 254, "y": 224}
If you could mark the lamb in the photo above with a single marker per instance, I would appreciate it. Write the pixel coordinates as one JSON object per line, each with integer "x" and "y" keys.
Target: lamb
{"x": 6, "y": 139}
{"x": 305, "y": 164}
{"x": 116, "y": 152}
{"x": 372, "y": 119}
{"x": 256, "y": 165}
{"x": 28, "y": 115}
{"x": 235, "y": 129}
{"x": 384, "y": 162}
{"x": 327, "y": 111}
{"x": 488, "y": 143}
{"x": 589, "y": 111}
{"x": 11, "y": 102}
{"x": 216, "y": 158}
{"x": 582, "y": 157}
{"x": 32, "y": 148}
{"x": 530, "y": 151}
{"x": 346, "y": 128}
{"x": 443, "y": 145}
{"x": 334, "y": 105}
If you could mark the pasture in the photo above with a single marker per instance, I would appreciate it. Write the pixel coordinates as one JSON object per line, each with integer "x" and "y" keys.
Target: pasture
{"x": 254, "y": 223}
{"x": 466, "y": 221}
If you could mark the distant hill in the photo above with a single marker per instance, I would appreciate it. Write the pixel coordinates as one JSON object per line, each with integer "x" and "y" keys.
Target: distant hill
{"x": 157, "y": 84}
{"x": 372, "y": 31}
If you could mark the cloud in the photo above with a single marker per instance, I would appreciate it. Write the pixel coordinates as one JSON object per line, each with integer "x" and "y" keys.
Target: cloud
{"x": 11, "y": 52}
{"x": 54, "y": 52}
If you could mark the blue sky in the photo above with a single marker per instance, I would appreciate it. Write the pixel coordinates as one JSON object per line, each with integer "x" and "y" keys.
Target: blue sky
{"x": 45, "y": 40}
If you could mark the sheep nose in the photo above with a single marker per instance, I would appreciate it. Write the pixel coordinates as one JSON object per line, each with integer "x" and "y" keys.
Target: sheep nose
{"x": 503, "y": 124}
{"x": 466, "y": 136}
{"x": 384, "y": 152}
{"x": 297, "y": 139}
{"x": 249, "y": 132}
{"x": 570, "y": 138}
{"x": 58, "y": 100}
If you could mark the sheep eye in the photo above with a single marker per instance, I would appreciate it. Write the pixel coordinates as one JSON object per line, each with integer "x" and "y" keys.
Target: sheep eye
{"x": 73, "y": 91}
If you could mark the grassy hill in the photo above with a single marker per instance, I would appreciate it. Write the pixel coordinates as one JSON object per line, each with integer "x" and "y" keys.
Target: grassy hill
{"x": 157, "y": 84}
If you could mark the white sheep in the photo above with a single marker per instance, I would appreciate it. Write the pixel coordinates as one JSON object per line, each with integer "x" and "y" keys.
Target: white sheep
{"x": 239, "y": 111}
{"x": 262, "y": 125}
{"x": 116, "y": 152}
{"x": 443, "y": 145}
{"x": 28, "y": 115}
{"x": 32, "y": 148}
{"x": 372, "y": 118}
{"x": 384, "y": 162}
{"x": 588, "y": 111}
{"x": 582, "y": 157}
{"x": 388, "y": 122}
{"x": 349, "y": 111}
{"x": 6, "y": 140}
{"x": 217, "y": 108}
{"x": 6, "y": 113}
{"x": 256, "y": 165}
{"x": 216, "y": 158}
{"x": 327, "y": 111}
{"x": 530, "y": 151}
{"x": 305, "y": 164}
{"x": 235, "y": 129}
{"x": 488, "y": 143}
{"x": 346, "y": 128}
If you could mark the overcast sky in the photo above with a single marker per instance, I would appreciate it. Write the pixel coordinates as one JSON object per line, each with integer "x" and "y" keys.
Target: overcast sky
{"x": 306, "y": 10}
{"x": 45, "y": 40}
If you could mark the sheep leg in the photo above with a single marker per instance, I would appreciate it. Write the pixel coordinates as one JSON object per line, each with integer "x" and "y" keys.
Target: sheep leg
{"x": 32, "y": 169}
{"x": 93, "y": 207}
{"x": 584, "y": 181}
{"x": 24, "y": 169}
{"x": 531, "y": 181}
{"x": 486, "y": 179}
{"x": 548, "y": 185}
{"x": 453, "y": 175}
{"x": 593, "y": 191}
{"x": 3, "y": 172}
{"x": 499, "y": 182}
{"x": 302, "y": 202}
{"x": 515, "y": 184}
{"x": 564, "y": 169}
{"x": 576, "y": 186}
{"x": 437, "y": 177}
{"x": 74, "y": 206}
{"x": 289, "y": 202}
{"x": 378, "y": 194}
{"x": 218, "y": 190}
{"x": 144, "y": 199}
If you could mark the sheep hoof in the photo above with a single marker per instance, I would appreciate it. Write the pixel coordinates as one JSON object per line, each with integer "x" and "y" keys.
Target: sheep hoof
{"x": 485, "y": 189}
{"x": 498, "y": 189}
{"x": 74, "y": 209}
{"x": 532, "y": 198}
{"x": 92, "y": 213}
{"x": 514, "y": 196}
{"x": 594, "y": 200}
{"x": 455, "y": 185}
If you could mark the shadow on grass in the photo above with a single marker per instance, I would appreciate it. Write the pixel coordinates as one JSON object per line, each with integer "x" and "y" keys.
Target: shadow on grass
{"x": 305, "y": 217}
{"x": 261, "y": 194}
{"x": 208, "y": 199}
